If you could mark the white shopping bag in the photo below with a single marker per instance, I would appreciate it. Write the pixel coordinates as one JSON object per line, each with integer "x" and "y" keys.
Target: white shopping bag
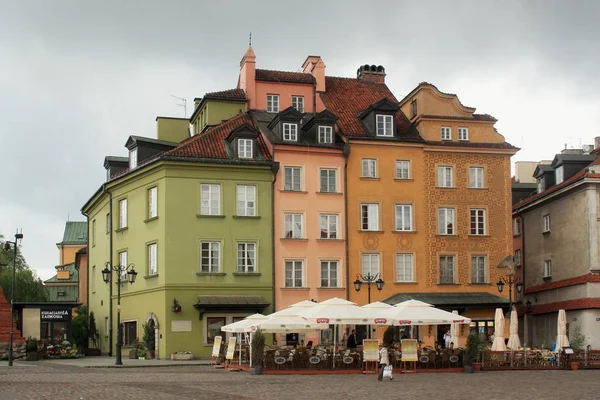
{"x": 387, "y": 371}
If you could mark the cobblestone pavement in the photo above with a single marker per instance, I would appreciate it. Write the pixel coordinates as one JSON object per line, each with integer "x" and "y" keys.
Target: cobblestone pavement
{"x": 51, "y": 381}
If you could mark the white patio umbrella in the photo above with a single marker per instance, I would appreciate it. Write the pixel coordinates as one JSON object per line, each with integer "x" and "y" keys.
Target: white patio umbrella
{"x": 454, "y": 331}
{"x": 293, "y": 309}
{"x": 380, "y": 312}
{"x": 243, "y": 326}
{"x": 288, "y": 323}
{"x": 415, "y": 312}
{"x": 561, "y": 339}
{"x": 513, "y": 340}
{"x": 498, "y": 344}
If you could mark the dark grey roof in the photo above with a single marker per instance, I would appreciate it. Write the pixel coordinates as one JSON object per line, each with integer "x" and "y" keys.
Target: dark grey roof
{"x": 146, "y": 140}
{"x": 572, "y": 158}
{"x": 470, "y": 299}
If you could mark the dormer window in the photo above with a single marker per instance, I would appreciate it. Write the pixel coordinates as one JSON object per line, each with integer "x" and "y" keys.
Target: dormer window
{"x": 540, "y": 185}
{"x": 463, "y": 134}
{"x": 325, "y": 134}
{"x": 384, "y": 125}
{"x": 298, "y": 103}
{"x": 413, "y": 108}
{"x": 446, "y": 132}
{"x": 290, "y": 132}
{"x": 245, "y": 148}
{"x": 273, "y": 103}
{"x": 559, "y": 175}
{"x": 132, "y": 159}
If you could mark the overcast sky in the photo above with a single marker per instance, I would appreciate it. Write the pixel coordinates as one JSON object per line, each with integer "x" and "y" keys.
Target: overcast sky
{"x": 78, "y": 77}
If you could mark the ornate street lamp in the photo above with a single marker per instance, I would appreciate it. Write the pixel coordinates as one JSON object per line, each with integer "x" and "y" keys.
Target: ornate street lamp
{"x": 15, "y": 245}
{"x": 368, "y": 279}
{"x": 107, "y": 277}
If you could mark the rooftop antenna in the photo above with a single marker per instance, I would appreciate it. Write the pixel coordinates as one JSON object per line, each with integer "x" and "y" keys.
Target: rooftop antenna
{"x": 183, "y": 104}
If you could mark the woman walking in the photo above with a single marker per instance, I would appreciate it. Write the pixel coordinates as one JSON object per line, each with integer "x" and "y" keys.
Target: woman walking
{"x": 384, "y": 362}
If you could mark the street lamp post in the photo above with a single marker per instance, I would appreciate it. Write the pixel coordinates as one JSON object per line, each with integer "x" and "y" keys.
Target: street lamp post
{"x": 368, "y": 279}
{"x": 12, "y": 294}
{"x": 509, "y": 280}
{"x": 128, "y": 270}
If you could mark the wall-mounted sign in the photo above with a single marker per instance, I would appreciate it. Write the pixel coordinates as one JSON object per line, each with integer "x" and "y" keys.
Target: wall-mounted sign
{"x": 55, "y": 315}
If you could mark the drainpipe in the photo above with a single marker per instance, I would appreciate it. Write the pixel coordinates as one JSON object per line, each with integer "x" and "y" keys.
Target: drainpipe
{"x": 525, "y": 318}
{"x": 315, "y": 96}
{"x": 110, "y": 260}
{"x": 346, "y": 154}
{"x": 275, "y": 170}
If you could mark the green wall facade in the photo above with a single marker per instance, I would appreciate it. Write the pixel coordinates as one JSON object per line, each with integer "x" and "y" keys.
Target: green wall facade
{"x": 213, "y": 112}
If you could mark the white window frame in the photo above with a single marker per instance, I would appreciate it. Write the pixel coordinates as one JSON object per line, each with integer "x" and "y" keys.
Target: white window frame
{"x": 326, "y": 281}
{"x": 444, "y": 259}
{"x": 152, "y": 259}
{"x": 446, "y": 221}
{"x": 211, "y": 248}
{"x": 108, "y": 223}
{"x": 325, "y": 134}
{"x": 445, "y": 176}
{"x": 290, "y": 132}
{"x": 476, "y": 177}
{"x": 546, "y": 221}
{"x": 153, "y": 202}
{"x": 290, "y": 226}
{"x": 246, "y": 200}
{"x": 326, "y": 175}
{"x": 403, "y": 169}
{"x": 516, "y": 226}
{"x": 559, "y": 175}
{"x": 122, "y": 213}
{"x": 386, "y": 123}
{"x": 369, "y": 216}
{"x": 463, "y": 134}
{"x": 246, "y": 257}
{"x": 294, "y": 281}
{"x": 540, "y": 185}
{"x": 123, "y": 266}
{"x": 298, "y": 103}
{"x": 404, "y": 273}
{"x": 94, "y": 233}
{"x": 369, "y": 168}
{"x": 325, "y": 222}
{"x": 477, "y": 222}
{"x": 476, "y": 273}
{"x": 209, "y": 194}
{"x": 446, "y": 133}
{"x": 272, "y": 103}
{"x": 370, "y": 264}
{"x": 400, "y": 220}
{"x": 295, "y": 185}
{"x": 133, "y": 162}
{"x": 547, "y": 269}
{"x": 245, "y": 148}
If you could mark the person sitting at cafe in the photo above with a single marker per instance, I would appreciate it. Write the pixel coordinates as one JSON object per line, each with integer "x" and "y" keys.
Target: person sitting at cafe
{"x": 351, "y": 344}
{"x": 309, "y": 345}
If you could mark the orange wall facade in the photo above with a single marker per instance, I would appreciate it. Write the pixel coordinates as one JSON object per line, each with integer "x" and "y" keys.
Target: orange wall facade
{"x": 66, "y": 253}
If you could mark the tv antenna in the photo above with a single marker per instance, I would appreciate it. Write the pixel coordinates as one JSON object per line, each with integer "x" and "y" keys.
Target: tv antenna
{"x": 182, "y": 104}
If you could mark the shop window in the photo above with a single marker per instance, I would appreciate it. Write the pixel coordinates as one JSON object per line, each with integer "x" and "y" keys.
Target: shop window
{"x": 129, "y": 333}
{"x": 213, "y": 328}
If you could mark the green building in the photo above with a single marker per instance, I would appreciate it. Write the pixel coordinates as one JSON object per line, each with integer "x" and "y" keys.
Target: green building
{"x": 195, "y": 220}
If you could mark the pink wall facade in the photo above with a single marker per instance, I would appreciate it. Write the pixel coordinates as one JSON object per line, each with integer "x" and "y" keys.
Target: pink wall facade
{"x": 285, "y": 92}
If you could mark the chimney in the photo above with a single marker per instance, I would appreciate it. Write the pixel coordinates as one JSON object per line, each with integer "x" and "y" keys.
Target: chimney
{"x": 315, "y": 66}
{"x": 247, "y": 76}
{"x": 371, "y": 73}
{"x": 597, "y": 142}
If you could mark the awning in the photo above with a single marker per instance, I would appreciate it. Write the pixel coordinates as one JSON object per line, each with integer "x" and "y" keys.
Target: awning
{"x": 453, "y": 301}
{"x": 229, "y": 303}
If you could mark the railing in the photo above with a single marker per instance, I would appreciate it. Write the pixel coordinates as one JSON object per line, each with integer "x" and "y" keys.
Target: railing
{"x": 524, "y": 359}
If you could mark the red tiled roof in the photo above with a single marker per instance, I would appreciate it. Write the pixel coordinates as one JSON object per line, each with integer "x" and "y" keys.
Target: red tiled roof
{"x": 231, "y": 94}
{"x": 346, "y": 97}
{"x": 211, "y": 144}
{"x": 283, "y": 76}
{"x": 503, "y": 145}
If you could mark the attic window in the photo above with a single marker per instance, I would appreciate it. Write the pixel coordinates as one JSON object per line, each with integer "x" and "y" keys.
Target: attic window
{"x": 559, "y": 175}
{"x": 540, "y": 184}
{"x": 290, "y": 132}
{"x": 384, "y": 125}
{"x": 273, "y": 103}
{"x": 245, "y": 148}
{"x": 133, "y": 159}
{"x": 325, "y": 134}
{"x": 298, "y": 103}
{"x": 413, "y": 108}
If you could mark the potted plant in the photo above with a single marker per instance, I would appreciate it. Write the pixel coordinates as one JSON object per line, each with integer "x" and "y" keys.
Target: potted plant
{"x": 471, "y": 353}
{"x": 31, "y": 348}
{"x": 141, "y": 354}
{"x": 577, "y": 343}
{"x": 93, "y": 335}
{"x": 258, "y": 352}
{"x": 149, "y": 340}
{"x": 133, "y": 352}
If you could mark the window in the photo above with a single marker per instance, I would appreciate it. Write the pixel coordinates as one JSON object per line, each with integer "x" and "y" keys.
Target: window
{"x": 404, "y": 217}
{"x": 445, "y": 177}
{"x": 329, "y": 226}
{"x": 463, "y": 133}
{"x": 290, "y": 132}
{"x": 478, "y": 269}
{"x": 547, "y": 223}
{"x": 298, "y": 103}
{"x": 328, "y": 180}
{"x": 402, "y": 169}
{"x": 211, "y": 199}
{"x": 413, "y": 108}
{"x": 246, "y": 200}
{"x": 547, "y": 268}
{"x": 518, "y": 257}
{"x": 446, "y": 133}
{"x": 447, "y": 269}
{"x": 446, "y": 221}
{"x": 369, "y": 217}
{"x": 152, "y": 260}
{"x": 273, "y": 103}
{"x": 559, "y": 175}
{"x": 477, "y": 221}
{"x": 476, "y": 177}
{"x": 369, "y": 168}
{"x": 123, "y": 265}
{"x": 210, "y": 256}
{"x": 404, "y": 268}
{"x": 292, "y": 177}
{"x": 108, "y": 223}
{"x": 246, "y": 257}
{"x": 385, "y": 125}
{"x": 106, "y": 327}
{"x": 329, "y": 274}
{"x": 370, "y": 264}
{"x": 93, "y": 233}
{"x": 130, "y": 335}
{"x": 133, "y": 159}
{"x": 516, "y": 226}
{"x": 293, "y": 226}
{"x": 213, "y": 328}
{"x": 245, "y": 148}
{"x": 540, "y": 185}
{"x": 123, "y": 214}
{"x": 325, "y": 134}
{"x": 294, "y": 274}
{"x": 152, "y": 202}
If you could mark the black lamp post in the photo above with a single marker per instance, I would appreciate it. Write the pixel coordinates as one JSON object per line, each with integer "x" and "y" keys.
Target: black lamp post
{"x": 107, "y": 277}
{"x": 509, "y": 280}
{"x": 12, "y": 295}
{"x": 368, "y": 279}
